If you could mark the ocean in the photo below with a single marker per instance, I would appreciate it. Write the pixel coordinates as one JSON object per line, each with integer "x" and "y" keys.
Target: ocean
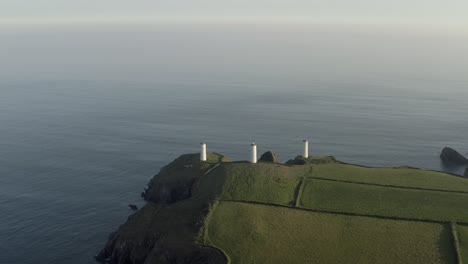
{"x": 88, "y": 115}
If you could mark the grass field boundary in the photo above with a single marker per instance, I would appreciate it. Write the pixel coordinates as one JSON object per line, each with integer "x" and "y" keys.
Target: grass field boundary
{"x": 298, "y": 192}
{"x": 456, "y": 242}
{"x": 388, "y": 185}
{"x": 259, "y": 162}
{"x": 205, "y": 236}
{"x": 344, "y": 213}
{"x": 212, "y": 168}
{"x": 403, "y": 167}
{"x": 206, "y": 241}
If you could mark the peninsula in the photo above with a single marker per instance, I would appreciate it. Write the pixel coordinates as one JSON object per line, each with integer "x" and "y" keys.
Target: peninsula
{"x": 204, "y": 208}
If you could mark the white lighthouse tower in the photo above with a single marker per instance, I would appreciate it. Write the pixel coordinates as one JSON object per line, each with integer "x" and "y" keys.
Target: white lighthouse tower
{"x": 202, "y": 151}
{"x": 306, "y": 148}
{"x": 253, "y": 158}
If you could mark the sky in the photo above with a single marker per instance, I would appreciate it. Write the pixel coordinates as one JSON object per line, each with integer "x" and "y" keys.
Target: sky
{"x": 424, "y": 12}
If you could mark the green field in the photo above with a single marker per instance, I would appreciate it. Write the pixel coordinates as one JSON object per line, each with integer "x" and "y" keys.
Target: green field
{"x": 250, "y": 233}
{"x": 270, "y": 213}
{"x": 384, "y": 201}
{"x": 261, "y": 183}
{"x": 405, "y": 177}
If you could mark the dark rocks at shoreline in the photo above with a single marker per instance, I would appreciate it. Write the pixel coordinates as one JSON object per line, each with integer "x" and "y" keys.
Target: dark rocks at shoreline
{"x": 269, "y": 156}
{"x": 451, "y": 156}
{"x": 133, "y": 207}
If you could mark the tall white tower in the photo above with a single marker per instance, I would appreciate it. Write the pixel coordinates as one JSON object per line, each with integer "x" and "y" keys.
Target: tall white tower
{"x": 253, "y": 158}
{"x": 202, "y": 151}
{"x": 306, "y": 148}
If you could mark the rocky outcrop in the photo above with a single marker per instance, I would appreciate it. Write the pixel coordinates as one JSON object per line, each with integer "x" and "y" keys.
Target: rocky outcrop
{"x": 466, "y": 172}
{"x": 299, "y": 160}
{"x": 174, "y": 182}
{"x": 451, "y": 156}
{"x": 165, "y": 230}
{"x": 269, "y": 156}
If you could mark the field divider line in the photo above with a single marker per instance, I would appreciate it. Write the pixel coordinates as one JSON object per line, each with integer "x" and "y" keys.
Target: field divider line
{"x": 456, "y": 242}
{"x": 402, "y": 167}
{"x": 299, "y": 193}
{"x": 212, "y": 168}
{"x": 343, "y": 213}
{"x": 206, "y": 236}
{"x": 388, "y": 185}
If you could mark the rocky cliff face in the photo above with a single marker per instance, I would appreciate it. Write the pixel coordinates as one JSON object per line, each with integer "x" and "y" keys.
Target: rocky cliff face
{"x": 174, "y": 182}
{"x": 166, "y": 228}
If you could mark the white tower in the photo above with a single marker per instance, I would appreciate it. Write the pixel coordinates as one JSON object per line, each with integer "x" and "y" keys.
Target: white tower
{"x": 202, "y": 151}
{"x": 306, "y": 148}
{"x": 253, "y": 158}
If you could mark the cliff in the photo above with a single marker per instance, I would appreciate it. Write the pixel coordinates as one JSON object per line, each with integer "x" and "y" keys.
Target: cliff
{"x": 165, "y": 230}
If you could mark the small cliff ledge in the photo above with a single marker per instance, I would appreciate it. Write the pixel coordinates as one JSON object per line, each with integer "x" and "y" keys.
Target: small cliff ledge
{"x": 451, "y": 156}
{"x": 165, "y": 230}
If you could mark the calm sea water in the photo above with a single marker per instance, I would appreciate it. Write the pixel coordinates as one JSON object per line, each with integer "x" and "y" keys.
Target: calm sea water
{"x": 89, "y": 115}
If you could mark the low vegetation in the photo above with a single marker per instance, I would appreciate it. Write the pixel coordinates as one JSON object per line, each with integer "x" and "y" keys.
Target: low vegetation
{"x": 384, "y": 201}
{"x": 328, "y": 212}
{"x": 252, "y": 233}
{"x": 405, "y": 177}
{"x": 261, "y": 183}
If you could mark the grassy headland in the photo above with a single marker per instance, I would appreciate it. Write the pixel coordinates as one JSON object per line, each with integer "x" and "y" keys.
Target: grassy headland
{"x": 322, "y": 211}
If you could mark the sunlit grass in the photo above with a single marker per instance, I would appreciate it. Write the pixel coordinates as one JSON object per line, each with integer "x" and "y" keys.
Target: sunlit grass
{"x": 406, "y": 177}
{"x": 384, "y": 201}
{"x": 251, "y": 233}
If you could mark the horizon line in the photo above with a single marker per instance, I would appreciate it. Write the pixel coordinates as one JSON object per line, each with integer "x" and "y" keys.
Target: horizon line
{"x": 223, "y": 20}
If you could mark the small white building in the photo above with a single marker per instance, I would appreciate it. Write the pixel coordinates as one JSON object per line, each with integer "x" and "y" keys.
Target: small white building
{"x": 253, "y": 157}
{"x": 306, "y": 148}
{"x": 202, "y": 151}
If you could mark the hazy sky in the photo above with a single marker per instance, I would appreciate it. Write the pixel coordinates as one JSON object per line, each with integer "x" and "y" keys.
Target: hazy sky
{"x": 431, "y": 12}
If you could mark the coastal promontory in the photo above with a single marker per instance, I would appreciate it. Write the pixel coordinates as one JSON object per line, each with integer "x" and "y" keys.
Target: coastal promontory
{"x": 309, "y": 210}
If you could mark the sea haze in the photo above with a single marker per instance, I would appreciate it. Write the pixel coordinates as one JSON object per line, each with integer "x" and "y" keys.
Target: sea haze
{"x": 89, "y": 114}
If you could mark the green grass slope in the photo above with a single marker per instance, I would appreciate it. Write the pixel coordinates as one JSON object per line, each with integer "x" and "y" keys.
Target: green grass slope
{"x": 252, "y": 233}
{"x": 262, "y": 183}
